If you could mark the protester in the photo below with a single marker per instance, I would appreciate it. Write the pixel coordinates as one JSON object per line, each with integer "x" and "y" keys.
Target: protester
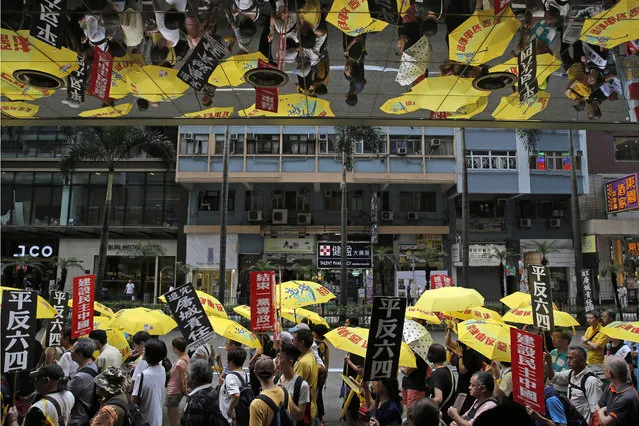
{"x": 607, "y": 317}
{"x": 619, "y": 404}
{"x": 176, "y": 386}
{"x": 202, "y": 407}
{"x": 353, "y": 366}
{"x": 229, "y": 346}
{"x": 69, "y": 366}
{"x": 260, "y": 412}
{"x": 109, "y": 356}
{"x": 306, "y": 365}
{"x": 561, "y": 341}
{"x": 502, "y": 374}
{"x": 111, "y": 386}
{"x": 267, "y": 349}
{"x": 425, "y": 412}
{"x": 481, "y": 388}
{"x": 233, "y": 382}
{"x": 595, "y": 341}
{"x": 442, "y": 382}
{"x": 81, "y": 385}
{"x": 467, "y": 361}
{"x": 555, "y": 413}
{"x": 323, "y": 350}
{"x": 148, "y": 391}
{"x": 386, "y": 407}
{"x": 414, "y": 384}
{"x": 139, "y": 340}
{"x": 300, "y": 405}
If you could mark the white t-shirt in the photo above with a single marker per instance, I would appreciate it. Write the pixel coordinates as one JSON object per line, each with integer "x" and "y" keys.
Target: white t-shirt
{"x": 65, "y": 399}
{"x": 320, "y": 363}
{"x": 230, "y": 387}
{"x": 305, "y": 395}
{"x": 171, "y": 35}
{"x": 68, "y": 365}
{"x": 151, "y": 396}
{"x": 109, "y": 357}
{"x": 140, "y": 366}
{"x": 130, "y": 288}
{"x": 95, "y": 31}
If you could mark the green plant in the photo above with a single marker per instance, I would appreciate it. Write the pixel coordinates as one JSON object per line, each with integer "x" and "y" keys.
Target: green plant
{"x": 65, "y": 263}
{"x": 544, "y": 248}
{"x": 382, "y": 256}
{"x": 303, "y": 271}
{"x": 529, "y": 138}
{"x": 261, "y": 265}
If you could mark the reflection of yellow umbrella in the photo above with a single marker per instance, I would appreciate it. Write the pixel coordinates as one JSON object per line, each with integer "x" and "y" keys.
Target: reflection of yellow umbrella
{"x": 417, "y": 313}
{"x": 353, "y": 17}
{"x": 510, "y": 108}
{"x": 141, "y": 319}
{"x": 231, "y": 71}
{"x": 18, "y": 91}
{"x": 478, "y": 312}
{"x": 449, "y": 299}
{"x": 108, "y": 111}
{"x": 211, "y": 305}
{"x": 234, "y": 331}
{"x": 297, "y": 294}
{"x": 613, "y": 26}
{"x": 546, "y": 65}
{"x": 525, "y": 316}
{"x": 470, "y": 110}
{"x": 44, "y": 309}
{"x": 298, "y": 314}
{"x": 19, "y": 109}
{"x": 121, "y": 67}
{"x": 402, "y": 104}
{"x": 243, "y": 310}
{"x": 622, "y": 330}
{"x": 447, "y": 93}
{"x": 156, "y": 84}
{"x": 482, "y": 37}
{"x": 294, "y": 105}
{"x": 489, "y": 338}
{"x": 215, "y": 112}
{"x": 104, "y": 310}
{"x": 355, "y": 341}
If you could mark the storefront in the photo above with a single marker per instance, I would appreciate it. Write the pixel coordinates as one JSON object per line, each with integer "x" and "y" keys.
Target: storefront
{"x": 203, "y": 256}
{"x": 38, "y": 251}
{"x": 485, "y": 275}
{"x": 295, "y": 255}
{"x": 561, "y": 261}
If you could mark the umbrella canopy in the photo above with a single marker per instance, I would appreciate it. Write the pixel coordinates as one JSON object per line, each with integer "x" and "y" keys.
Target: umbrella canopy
{"x": 489, "y": 338}
{"x": 546, "y": 65}
{"x": 44, "y": 310}
{"x": 141, "y": 319}
{"x": 121, "y": 67}
{"x": 402, "y": 104}
{"x": 231, "y": 330}
{"x": 293, "y": 105}
{"x": 19, "y": 109}
{"x": 482, "y": 37}
{"x": 614, "y": 26}
{"x": 353, "y": 17}
{"x": 156, "y": 84}
{"x": 243, "y": 310}
{"x": 211, "y": 305}
{"x": 231, "y": 71}
{"x": 448, "y": 93}
{"x": 355, "y": 341}
{"x": 622, "y": 330}
{"x": 519, "y": 299}
{"x": 414, "y": 312}
{"x": 449, "y": 299}
{"x": 298, "y": 314}
{"x": 469, "y": 110}
{"x": 479, "y": 313}
{"x": 418, "y": 338}
{"x": 108, "y": 111}
{"x": 510, "y": 108}
{"x": 215, "y": 112}
{"x": 525, "y": 316}
{"x": 414, "y": 62}
{"x": 15, "y": 90}
{"x": 101, "y": 323}
{"x": 297, "y": 294}
{"x": 104, "y": 310}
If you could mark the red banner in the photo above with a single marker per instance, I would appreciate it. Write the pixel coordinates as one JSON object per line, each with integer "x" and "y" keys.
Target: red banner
{"x": 501, "y": 5}
{"x": 266, "y": 99}
{"x": 100, "y": 81}
{"x": 440, "y": 280}
{"x": 83, "y": 298}
{"x": 262, "y": 301}
{"x": 526, "y": 355}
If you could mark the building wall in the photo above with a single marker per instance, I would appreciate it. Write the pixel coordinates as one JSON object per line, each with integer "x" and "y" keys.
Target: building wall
{"x": 601, "y": 147}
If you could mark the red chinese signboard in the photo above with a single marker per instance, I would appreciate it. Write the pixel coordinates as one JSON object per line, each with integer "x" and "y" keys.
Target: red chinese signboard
{"x": 501, "y": 5}
{"x": 83, "y": 297}
{"x": 262, "y": 301}
{"x": 100, "y": 82}
{"x": 439, "y": 281}
{"x": 266, "y": 98}
{"x": 527, "y": 364}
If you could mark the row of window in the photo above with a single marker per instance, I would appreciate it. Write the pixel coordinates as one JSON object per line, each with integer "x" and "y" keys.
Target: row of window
{"x": 526, "y": 209}
{"x": 507, "y": 160}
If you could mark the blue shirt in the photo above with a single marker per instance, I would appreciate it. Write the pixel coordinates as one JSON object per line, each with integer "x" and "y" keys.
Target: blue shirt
{"x": 388, "y": 414}
{"x": 554, "y": 408}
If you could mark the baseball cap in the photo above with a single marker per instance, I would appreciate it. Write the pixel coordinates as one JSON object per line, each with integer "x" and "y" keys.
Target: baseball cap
{"x": 52, "y": 371}
{"x": 264, "y": 367}
{"x": 298, "y": 327}
{"x": 286, "y": 337}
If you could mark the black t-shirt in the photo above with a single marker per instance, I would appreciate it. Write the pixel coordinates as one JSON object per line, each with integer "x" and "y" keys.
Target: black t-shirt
{"x": 417, "y": 379}
{"x": 622, "y": 404}
{"x": 473, "y": 363}
{"x": 442, "y": 379}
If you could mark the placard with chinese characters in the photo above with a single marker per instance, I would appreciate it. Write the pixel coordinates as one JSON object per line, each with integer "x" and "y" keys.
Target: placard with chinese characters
{"x": 541, "y": 295}
{"x": 262, "y": 301}
{"x": 527, "y": 67}
{"x": 75, "y": 82}
{"x": 621, "y": 194}
{"x": 49, "y": 25}
{"x": 359, "y": 255}
{"x": 18, "y": 330}
{"x": 384, "y": 338}
{"x": 189, "y": 314}
{"x": 82, "y": 312}
{"x": 205, "y": 58}
{"x": 527, "y": 366}
{"x": 439, "y": 281}
{"x": 101, "y": 74}
{"x": 589, "y": 306}
{"x": 56, "y": 325}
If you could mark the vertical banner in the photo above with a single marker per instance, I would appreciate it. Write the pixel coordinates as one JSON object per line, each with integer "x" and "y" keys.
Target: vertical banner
{"x": 527, "y": 72}
{"x": 527, "y": 365}
{"x": 205, "y": 58}
{"x": 501, "y": 5}
{"x": 262, "y": 301}
{"x": 56, "y": 325}
{"x": 100, "y": 82}
{"x": 18, "y": 317}
{"x": 47, "y": 25}
{"x": 75, "y": 82}
{"x": 189, "y": 314}
{"x": 82, "y": 312}
{"x": 266, "y": 98}
{"x": 589, "y": 306}
{"x": 541, "y": 294}
{"x": 384, "y": 338}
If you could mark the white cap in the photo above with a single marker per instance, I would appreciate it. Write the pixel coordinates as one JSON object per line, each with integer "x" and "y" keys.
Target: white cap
{"x": 298, "y": 327}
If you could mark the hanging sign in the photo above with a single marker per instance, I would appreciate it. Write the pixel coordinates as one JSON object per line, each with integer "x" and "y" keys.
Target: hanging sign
{"x": 190, "y": 316}
{"x": 439, "y": 281}
{"x": 205, "y": 58}
{"x": 100, "y": 81}
{"x": 262, "y": 301}
{"x": 539, "y": 282}
{"x": 56, "y": 325}
{"x": 18, "y": 317}
{"x": 48, "y": 25}
{"x": 527, "y": 364}
{"x": 527, "y": 72}
{"x": 82, "y": 311}
{"x": 384, "y": 338}
{"x": 621, "y": 194}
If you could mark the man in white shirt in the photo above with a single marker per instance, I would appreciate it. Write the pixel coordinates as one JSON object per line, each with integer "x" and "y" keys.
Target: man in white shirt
{"x": 285, "y": 363}
{"x": 234, "y": 380}
{"x": 109, "y": 355}
{"x": 148, "y": 391}
{"x": 68, "y": 365}
{"x": 169, "y": 17}
{"x": 129, "y": 290}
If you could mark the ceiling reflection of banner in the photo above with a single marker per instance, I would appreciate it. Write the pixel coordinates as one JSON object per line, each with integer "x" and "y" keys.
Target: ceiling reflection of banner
{"x": 384, "y": 10}
{"x": 75, "y": 82}
{"x": 527, "y": 72}
{"x": 198, "y": 68}
{"x": 100, "y": 82}
{"x": 48, "y": 25}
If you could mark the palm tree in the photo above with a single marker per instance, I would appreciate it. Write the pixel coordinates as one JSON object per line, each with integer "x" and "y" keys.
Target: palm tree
{"x": 144, "y": 251}
{"x": 306, "y": 272}
{"x": 347, "y": 137}
{"x": 529, "y": 138}
{"x": 544, "y": 248}
{"x": 65, "y": 263}
{"x": 426, "y": 256}
{"x": 261, "y": 265}
{"x": 22, "y": 265}
{"x": 613, "y": 270}
{"x": 384, "y": 255}
{"x": 504, "y": 257}
{"x": 181, "y": 271}
{"x": 109, "y": 146}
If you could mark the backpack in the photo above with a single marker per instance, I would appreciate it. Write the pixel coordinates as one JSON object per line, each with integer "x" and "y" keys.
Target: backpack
{"x": 242, "y": 409}
{"x": 573, "y": 417}
{"x": 297, "y": 389}
{"x": 282, "y": 417}
{"x": 93, "y": 409}
{"x": 167, "y": 370}
{"x": 211, "y": 402}
{"x": 582, "y": 385}
{"x": 132, "y": 414}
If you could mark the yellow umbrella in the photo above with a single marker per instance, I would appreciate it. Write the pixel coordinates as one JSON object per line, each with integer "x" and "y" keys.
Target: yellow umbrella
{"x": 293, "y": 105}
{"x": 482, "y": 37}
{"x": 211, "y": 305}
{"x": 417, "y": 313}
{"x": 510, "y": 108}
{"x": 243, "y": 310}
{"x": 613, "y": 26}
{"x": 479, "y": 313}
{"x": 352, "y": 17}
{"x": 15, "y": 90}
{"x": 298, "y": 314}
{"x": 108, "y": 111}
{"x": 297, "y": 294}
{"x": 141, "y": 319}
{"x": 231, "y": 71}
{"x": 101, "y": 323}
{"x": 448, "y": 93}
{"x": 525, "y": 316}
{"x": 19, "y": 109}
{"x": 44, "y": 310}
{"x": 121, "y": 67}
{"x": 469, "y": 110}
{"x": 355, "y": 341}
{"x": 156, "y": 84}
{"x": 449, "y": 299}
{"x": 402, "y": 104}
{"x": 622, "y": 330}
{"x": 546, "y": 65}
{"x": 104, "y": 310}
{"x": 234, "y": 331}
{"x": 517, "y": 299}
{"x": 215, "y": 112}
{"x": 489, "y": 338}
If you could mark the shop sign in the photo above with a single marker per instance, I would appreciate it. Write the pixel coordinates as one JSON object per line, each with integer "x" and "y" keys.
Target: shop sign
{"x": 589, "y": 306}
{"x": 528, "y": 369}
{"x": 539, "y": 282}
{"x": 384, "y": 338}
{"x": 480, "y": 255}
{"x": 18, "y": 330}
{"x": 632, "y": 248}
{"x": 589, "y": 244}
{"x": 34, "y": 251}
{"x": 289, "y": 245}
{"x": 359, "y": 255}
{"x": 56, "y": 325}
{"x": 82, "y": 311}
{"x": 189, "y": 315}
{"x": 262, "y": 301}
{"x": 621, "y": 194}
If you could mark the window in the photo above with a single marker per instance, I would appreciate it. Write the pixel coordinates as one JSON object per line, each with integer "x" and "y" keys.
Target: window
{"x": 236, "y": 144}
{"x": 553, "y": 160}
{"x": 405, "y": 145}
{"x": 543, "y": 209}
{"x": 332, "y": 201}
{"x": 417, "y": 201}
{"x": 252, "y": 201}
{"x": 263, "y": 144}
{"x": 299, "y": 144}
{"x": 486, "y": 209}
{"x": 327, "y": 143}
{"x": 491, "y": 160}
{"x": 626, "y": 149}
{"x": 192, "y": 144}
{"x": 356, "y": 201}
{"x": 210, "y": 201}
{"x": 303, "y": 201}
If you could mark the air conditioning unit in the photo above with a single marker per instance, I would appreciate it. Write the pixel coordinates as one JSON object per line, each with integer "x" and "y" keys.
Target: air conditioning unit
{"x": 255, "y": 215}
{"x": 387, "y": 215}
{"x": 328, "y": 193}
{"x": 435, "y": 143}
{"x": 402, "y": 151}
{"x": 413, "y": 215}
{"x": 502, "y": 201}
{"x": 303, "y": 218}
{"x": 280, "y": 217}
{"x": 525, "y": 223}
{"x": 278, "y": 193}
{"x": 323, "y": 137}
{"x": 188, "y": 136}
{"x": 554, "y": 223}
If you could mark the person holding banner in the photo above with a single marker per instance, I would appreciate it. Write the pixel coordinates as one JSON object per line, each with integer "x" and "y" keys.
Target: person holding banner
{"x": 481, "y": 388}
{"x": 386, "y": 407}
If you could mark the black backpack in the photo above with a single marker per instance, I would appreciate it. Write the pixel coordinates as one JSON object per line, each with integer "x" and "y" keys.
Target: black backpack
{"x": 92, "y": 409}
{"x": 573, "y": 417}
{"x": 297, "y": 389}
{"x": 132, "y": 414}
{"x": 210, "y": 400}
{"x": 282, "y": 417}
{"x": 167, "y": 370}
{"x": 242, "y": 409}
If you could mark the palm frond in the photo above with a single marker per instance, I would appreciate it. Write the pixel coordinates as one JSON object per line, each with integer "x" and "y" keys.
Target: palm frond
{"x": 261, "y": 265}
{"x": 67, "y": 263}
{"x": 529, "y": 138}
{"x": 147, "y": 249}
